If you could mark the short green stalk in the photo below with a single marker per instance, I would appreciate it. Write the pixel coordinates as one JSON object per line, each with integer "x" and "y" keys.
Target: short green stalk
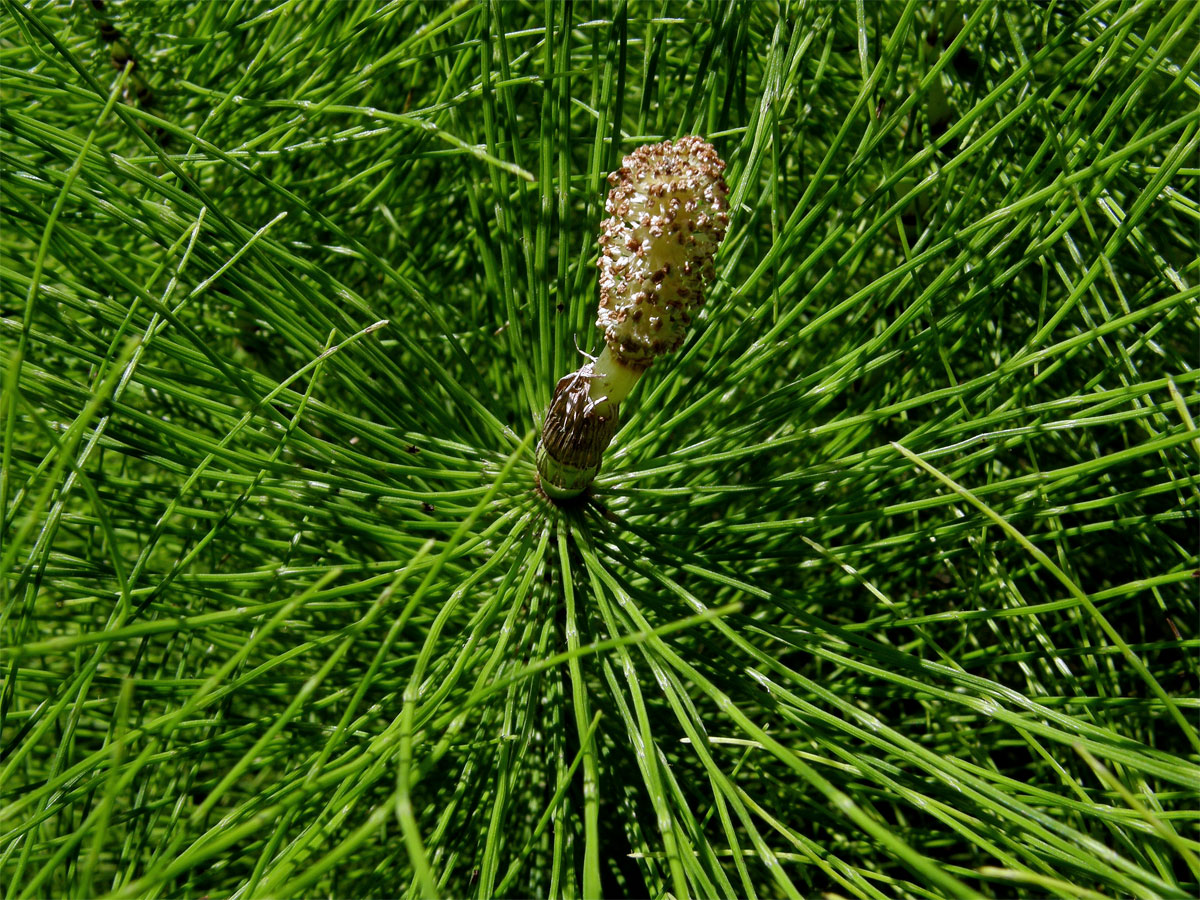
{"x": 582, "y": 419}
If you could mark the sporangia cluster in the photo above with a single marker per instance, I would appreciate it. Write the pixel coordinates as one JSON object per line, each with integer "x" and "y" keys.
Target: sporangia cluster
{"x": 668, "y": 211}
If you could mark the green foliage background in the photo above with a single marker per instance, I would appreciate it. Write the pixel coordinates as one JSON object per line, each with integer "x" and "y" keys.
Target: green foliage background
{"x": 888, "y": 585}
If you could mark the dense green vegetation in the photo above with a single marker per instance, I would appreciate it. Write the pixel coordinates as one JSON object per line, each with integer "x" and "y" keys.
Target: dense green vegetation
{"x": 888, "y": 586}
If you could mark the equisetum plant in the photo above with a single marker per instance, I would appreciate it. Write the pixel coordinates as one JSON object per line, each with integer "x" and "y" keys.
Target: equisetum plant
{"x": 668, "y": 212}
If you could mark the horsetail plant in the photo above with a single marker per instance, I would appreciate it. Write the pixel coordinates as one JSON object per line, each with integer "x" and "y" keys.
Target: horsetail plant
{"x": 668, "y": 212}
{"x": 895, "y": 597}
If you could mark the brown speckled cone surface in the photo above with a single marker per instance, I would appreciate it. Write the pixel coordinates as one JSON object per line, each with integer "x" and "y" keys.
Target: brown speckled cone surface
{"x": 668, "y": 211}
